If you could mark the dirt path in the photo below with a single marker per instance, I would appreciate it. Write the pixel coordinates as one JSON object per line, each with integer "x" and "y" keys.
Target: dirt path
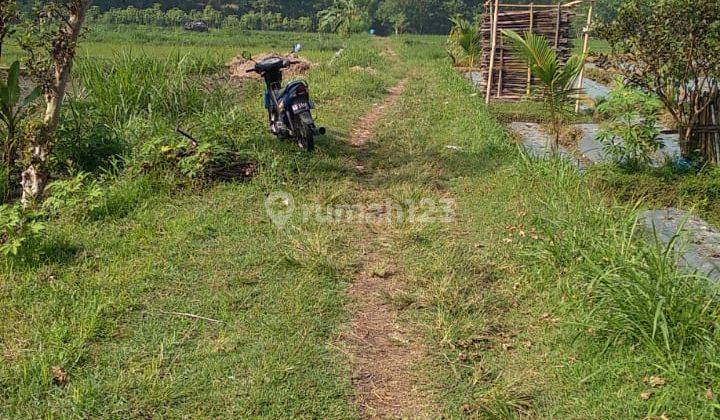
{"x": 380, "y": 350}
{"x": 364, "y": 128}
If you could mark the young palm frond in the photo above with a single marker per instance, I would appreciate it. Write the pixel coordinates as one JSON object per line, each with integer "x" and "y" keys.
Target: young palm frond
{"x": 464, "y": 42}
{"x": 558, "y": 81}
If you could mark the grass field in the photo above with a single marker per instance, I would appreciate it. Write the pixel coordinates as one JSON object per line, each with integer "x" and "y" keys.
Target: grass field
{"x": 537, "y": 299}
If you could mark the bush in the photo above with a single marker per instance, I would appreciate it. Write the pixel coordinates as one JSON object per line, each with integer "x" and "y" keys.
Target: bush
{"x": 83, "y": 143}
{"x": 630, "y": 133}
{"x": 78, "y": 196}
{"x": 463, "y": 43}
{"x": 159, "y": 148}
{"x": 19, "y": 229}
{"x": 301, "y": 24}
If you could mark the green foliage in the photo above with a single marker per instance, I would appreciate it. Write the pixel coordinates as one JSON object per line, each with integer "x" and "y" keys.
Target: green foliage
{"x": 558, "y": 81}
{"x": 251, "y": 20}
{"x": 78, "y": 196}
{"x": 86, "y": 141}
{"x": 418, "y": 16}
{"x": 665, "y": 186}
{"x": 14, "y": 108}
{"x": 670, "y": 48}
{"x": 393, "y": 14}
{"x": 464, "y": 42}
{"x": 20, "y": 229}
{"x": 630, "y": 131}
{"x": 344, "y": 17}
{"x": 157, "y": 148}
{"x": 8, "y": 15}
{"x": 136, "y": 84}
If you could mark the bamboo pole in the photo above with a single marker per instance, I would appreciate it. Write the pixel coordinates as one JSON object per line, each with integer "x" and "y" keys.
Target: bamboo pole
{"x": 502, "y": 66}
{"x": 557, "y": 26}
{"x": 529, "y": 71}
{"x": 493, "y": 44}
{"x": 712, "y": 140}
{"x": 543, "y": 6}
{"x": 586, "y": 43}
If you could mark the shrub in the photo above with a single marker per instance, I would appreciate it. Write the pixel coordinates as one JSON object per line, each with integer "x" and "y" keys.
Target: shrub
{"x": 630, "y": 133}
{"x": 76, "y": 196}
{"x": 463, "y": 44}
{"x": 19, "y": 229}
{"x": 83, "y": 143}
{"x": 159, "y": 148}
{"x": 670, "y": 47}
{"x": 344, "y": 17}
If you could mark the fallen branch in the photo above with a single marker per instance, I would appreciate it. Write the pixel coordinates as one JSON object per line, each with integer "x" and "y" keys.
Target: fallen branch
{"x": 192, "y": 139}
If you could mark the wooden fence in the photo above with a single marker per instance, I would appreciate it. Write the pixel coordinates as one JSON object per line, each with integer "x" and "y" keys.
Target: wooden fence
{"x": 705, "y": 141}
{"x": 503, "y": 75}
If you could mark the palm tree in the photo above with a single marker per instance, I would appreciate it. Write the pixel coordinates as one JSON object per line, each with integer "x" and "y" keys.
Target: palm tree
{"x": 339, "y": 17}
{"x": 558, "y": 80}
{"x": 464, "y": 42}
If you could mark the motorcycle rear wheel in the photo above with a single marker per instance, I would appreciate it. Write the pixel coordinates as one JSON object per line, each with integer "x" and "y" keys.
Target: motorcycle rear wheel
{"x": 307, "y": 143}
{"x": 304, "y": 136}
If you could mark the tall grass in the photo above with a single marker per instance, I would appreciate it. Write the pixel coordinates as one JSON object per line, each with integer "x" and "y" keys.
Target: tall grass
{"x": 628, "y": 292}
{"x": 548, "y": 300}
{"x": 130, "y": 84}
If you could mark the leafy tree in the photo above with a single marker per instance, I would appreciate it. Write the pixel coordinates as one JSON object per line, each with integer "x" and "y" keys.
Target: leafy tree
{"x": 343, "y": 17}
{"x": 391, "y": 13}
{"x": 51, "y": 42}
{"x": 671, "y": 48}
{"x": 558, "y": 80}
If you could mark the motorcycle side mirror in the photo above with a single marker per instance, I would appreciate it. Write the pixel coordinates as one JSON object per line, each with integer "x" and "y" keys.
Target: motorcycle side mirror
{"x": 246, "y": 55}
{"x": 296, "y": 48}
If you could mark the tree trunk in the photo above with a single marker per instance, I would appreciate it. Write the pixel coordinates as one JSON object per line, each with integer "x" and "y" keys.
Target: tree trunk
{"x": 36, "y": 175}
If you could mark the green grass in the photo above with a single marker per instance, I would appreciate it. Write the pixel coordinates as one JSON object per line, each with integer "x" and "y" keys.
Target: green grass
{"x": 107, "y": 41}
{"x": 530, "y": 111}
{"x": 595, "y": 46}
{"x": 99, "y": 300}
{"x": 539, "y": 299}
{"x": 663, "y": 187}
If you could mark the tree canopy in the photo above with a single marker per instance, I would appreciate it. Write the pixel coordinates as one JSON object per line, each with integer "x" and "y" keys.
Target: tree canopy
{"x": 416, "y": 16}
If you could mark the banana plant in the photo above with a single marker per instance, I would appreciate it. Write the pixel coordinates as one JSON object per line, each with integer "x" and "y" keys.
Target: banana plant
{"x": 558, "y": 81}
{"x": 340, "y": 17}
{"x": 13, "y": 109}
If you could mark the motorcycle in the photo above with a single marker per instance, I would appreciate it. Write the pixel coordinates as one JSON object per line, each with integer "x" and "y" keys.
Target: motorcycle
{"x": 289, "y": 108}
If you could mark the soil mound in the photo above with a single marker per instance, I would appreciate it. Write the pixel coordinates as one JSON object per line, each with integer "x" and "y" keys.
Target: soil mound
{"x": 238, "y": 66}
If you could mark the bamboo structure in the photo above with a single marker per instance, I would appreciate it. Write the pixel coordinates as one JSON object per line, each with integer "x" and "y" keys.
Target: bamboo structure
{"x": 586, "y": 42}
{"x": 705, "y": 140}
{"x": 504, "y": 75}
{"x": 493, "y": 49}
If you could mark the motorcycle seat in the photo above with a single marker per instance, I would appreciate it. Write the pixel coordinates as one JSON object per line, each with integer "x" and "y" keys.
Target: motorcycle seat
{"x": 270, "y": 64}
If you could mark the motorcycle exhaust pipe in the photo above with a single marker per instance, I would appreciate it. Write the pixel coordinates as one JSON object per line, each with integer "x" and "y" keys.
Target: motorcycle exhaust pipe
{"x": 319, "y": 131}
